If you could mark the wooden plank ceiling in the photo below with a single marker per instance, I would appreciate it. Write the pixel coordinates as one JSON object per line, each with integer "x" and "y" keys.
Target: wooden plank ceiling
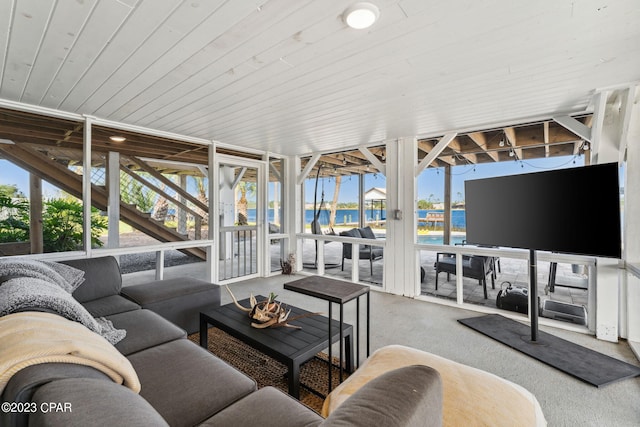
{"x": 289, "y": 77}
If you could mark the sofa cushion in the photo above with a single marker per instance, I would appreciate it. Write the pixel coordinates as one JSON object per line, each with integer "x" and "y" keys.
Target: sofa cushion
{"x": 91, "y": 402}
{"x": 145, "y": 329}
{"x": 179, "y": 300}
{"x": 354, "y": 232}
{"x": 367, "y": 232}
{"x": 186, "y": 384}
{"x": 106, "y": 306}
{"x": 412, "y": 397}
{"x": 24, "y": 383}
{"x": 267, "y": 407}
{"x": 102, "y": 277}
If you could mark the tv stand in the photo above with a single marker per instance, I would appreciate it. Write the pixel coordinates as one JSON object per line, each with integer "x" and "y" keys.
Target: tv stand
{"x": 533, "y": 294}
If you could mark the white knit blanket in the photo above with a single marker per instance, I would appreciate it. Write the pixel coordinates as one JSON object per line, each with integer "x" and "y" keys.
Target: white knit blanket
{"x": 32, "y": 338}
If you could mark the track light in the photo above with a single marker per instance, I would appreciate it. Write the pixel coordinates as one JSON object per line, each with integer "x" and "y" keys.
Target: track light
{"x": 344, "y": 160}
{"x": 511, "y": 153}
{"x": 586, "y": 146}
{"x": 501, "y": 144}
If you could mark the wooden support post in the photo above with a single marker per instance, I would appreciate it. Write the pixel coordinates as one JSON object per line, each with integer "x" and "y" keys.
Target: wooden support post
{"x": 35, "y": 214}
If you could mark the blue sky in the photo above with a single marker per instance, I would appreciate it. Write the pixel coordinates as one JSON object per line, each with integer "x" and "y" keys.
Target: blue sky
{"x": 11, "y": 174}
{"x": 430, "y": 182}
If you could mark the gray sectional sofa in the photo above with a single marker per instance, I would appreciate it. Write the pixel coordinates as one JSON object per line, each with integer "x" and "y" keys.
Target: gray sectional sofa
{"x": 183, "y": 384}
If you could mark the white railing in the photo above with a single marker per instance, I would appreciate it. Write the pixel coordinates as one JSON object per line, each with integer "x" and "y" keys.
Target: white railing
{"x": 238, "y": 251}
{"x": 521, "y": 254}
{"x": 159, "y": 249}
{"x": 355, "y": 249}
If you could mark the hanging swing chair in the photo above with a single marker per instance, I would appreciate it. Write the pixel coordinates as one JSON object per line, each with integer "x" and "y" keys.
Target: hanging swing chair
{"x": 316, "y": 227}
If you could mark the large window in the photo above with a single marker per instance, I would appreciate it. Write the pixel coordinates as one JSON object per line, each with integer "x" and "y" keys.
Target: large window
{"x": 37, "y": 217}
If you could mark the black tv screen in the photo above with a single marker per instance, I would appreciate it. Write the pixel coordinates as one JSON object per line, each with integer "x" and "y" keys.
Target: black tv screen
{"x": 575, "y": 210}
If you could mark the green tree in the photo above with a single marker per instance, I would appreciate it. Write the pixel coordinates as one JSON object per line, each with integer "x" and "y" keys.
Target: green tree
{"x": 242, "y": 204}
{"x": 62, "y": 226}
{"x": 134, "y": 193}
{"x": 14, "y": 219}
{"x": 11, "y": 191}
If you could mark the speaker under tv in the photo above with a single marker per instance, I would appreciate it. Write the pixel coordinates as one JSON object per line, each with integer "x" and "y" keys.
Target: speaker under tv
{"x": 574, "y": 210}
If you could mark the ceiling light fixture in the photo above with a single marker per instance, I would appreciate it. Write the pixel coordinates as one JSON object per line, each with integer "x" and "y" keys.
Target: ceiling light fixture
{"x": 117, "y": 138}
{"x": 361, "y": 15}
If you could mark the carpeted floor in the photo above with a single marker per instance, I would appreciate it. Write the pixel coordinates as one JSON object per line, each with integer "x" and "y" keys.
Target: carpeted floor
{"x": 269, "y": 372}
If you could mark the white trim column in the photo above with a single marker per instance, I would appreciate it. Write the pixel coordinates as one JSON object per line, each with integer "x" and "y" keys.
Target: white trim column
{"x": 213, "y": 255}
{"x": 294, "y": 206}
{"x": 86, "y": 185}
{"x": 630, "y": 297}
{"x": 605, "y": 138}
{"x": 113, "y": 209}
{"x": 400, "y": 256}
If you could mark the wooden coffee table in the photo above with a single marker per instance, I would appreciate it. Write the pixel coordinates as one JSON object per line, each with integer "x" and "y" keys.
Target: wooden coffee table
{"x": 291, "y": 347}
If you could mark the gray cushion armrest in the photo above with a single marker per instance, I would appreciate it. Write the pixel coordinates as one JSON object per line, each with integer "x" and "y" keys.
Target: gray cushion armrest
{"x": 89, "y": 402}
{"x": 25, "y": 382}
{"x": 107, "y": 306}
{"x": 178, "y": 300}
{"x": 407, "y": 397}
{"x": 267, "y": 407}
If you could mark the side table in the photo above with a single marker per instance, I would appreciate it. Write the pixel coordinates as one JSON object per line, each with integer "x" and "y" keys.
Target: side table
{"x": 340, "y": 292}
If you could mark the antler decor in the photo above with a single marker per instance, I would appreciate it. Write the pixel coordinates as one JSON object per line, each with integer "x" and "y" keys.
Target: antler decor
{"x": 269, "y": 313}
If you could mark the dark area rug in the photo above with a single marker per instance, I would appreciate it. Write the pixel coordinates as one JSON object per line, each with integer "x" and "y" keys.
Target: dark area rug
{"x": 585, "y": 364}
{"x": 269, "y": 372}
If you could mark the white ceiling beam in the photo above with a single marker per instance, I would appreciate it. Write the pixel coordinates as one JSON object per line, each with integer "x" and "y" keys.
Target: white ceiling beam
{"x": 627, "y": 111}
{"x": 275, "y": 172}
{"x": 599, "y": 111}
{"x": 307, "y": 169}
{"x": 203, "y": 170}
{"x": 574, "y": 126}
{"x": 545, "y": 128}
{"x": 440, "y": 146}
{"x": 374, "y": 160}
{"x": 238, "y": 178}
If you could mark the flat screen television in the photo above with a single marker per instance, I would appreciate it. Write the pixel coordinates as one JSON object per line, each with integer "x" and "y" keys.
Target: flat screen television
{"x": 575, "y": 211}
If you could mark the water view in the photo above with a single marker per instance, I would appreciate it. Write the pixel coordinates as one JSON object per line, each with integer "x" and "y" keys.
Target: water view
{"x": 350, "y": 216}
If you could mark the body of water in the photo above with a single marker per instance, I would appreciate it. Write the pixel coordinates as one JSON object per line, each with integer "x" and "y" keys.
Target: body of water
{"x": 350, "y": 216}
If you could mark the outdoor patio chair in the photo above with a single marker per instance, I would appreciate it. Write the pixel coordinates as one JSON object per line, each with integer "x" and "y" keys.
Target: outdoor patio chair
{"x": 495, "y": 261}
{"x": 473, "y": 266}
{"x": 369, "y": 252}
